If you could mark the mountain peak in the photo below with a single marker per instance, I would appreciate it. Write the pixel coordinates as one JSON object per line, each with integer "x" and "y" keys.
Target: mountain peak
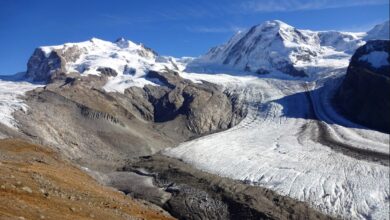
{"x": 96, "y": 40}
{"x": 275, "y": 23}
{"x": 123, "y": 43}
{"x": 379, "y": 32}
{"x": 274, "y": 46}
{"x": 121, "y": 39}
{"x": 272, "y": 26}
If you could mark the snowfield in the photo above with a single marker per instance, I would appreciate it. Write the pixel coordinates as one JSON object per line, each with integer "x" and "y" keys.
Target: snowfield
{"x": 10, "y": 100}
{"x": 377, "y": 59}
{"x": 292, "y": 141}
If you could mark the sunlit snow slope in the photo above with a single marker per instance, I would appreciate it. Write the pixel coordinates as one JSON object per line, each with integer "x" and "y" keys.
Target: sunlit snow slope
{"x": 275, "y": 46}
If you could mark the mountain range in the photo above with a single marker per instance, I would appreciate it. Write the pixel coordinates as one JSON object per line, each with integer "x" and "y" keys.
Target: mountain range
{"x": 269, "y": 125}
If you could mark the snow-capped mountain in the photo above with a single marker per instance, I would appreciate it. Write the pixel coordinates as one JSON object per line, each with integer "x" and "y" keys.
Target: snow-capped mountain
{"x": 379, "y": 32}
{"x": 272, "y": 46}
{"x": 123, "y": 62}
{"x": 284, "y": 135}
{"x": 275, "y": 46}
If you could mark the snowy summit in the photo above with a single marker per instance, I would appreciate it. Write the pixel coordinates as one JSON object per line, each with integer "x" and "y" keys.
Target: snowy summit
{"x": 275, "y": 46}
{"x": 125, "y": 62}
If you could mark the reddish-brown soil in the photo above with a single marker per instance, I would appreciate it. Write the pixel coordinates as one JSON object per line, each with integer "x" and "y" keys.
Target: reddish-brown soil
{"x": 36, "y": 183}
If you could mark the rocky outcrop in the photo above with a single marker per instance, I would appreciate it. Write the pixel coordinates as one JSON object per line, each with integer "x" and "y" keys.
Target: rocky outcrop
{"x": 289, "y": 69}
{"x": 205, "y": 106}
{"x": 107, "y": 71}
{"x": 74, "y": 110}
{"x": 364, "y": 93}
{"x": 41, "y": 66}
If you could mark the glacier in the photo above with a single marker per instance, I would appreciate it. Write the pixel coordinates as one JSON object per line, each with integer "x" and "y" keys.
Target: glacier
{"x": 289, "y": 142}
{"x": 11, "y": 92}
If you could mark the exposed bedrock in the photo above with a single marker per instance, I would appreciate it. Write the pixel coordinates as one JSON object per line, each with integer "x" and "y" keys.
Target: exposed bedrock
{"x": 101, "y": 130}
{"x": 42, "y": 65}
{"x": 364, "y": 93}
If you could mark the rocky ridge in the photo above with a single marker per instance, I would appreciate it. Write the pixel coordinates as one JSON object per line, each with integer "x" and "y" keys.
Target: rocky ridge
{"x": 75, "y": 111}
{"x": 363, "y": 95}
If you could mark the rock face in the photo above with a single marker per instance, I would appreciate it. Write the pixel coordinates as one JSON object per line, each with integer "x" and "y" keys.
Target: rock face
{"x": 75, "y": 111}
{"x": 364, "y": 93}
{"x": 204, "y": 106}
{"x": 44, "y": 63}
{"x": 40, "y": 67}
{"x": 107, "y": 71}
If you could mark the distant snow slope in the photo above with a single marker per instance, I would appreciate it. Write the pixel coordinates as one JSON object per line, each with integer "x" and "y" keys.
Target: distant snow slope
{"x": 274, "y": 46}
{"x": 292, "y": 141}
{"x": 10, "y": 100}
{"x": 379, "y": 32}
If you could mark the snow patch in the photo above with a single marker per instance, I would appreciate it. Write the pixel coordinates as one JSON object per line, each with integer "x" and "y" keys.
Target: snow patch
{"x": 10, "y": 100}
{"x": 121, "y": 83}
{"x": 377, "y": 59}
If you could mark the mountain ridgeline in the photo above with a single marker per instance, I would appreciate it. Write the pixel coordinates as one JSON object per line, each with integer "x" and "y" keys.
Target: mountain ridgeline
{"x": 276, "y": 47}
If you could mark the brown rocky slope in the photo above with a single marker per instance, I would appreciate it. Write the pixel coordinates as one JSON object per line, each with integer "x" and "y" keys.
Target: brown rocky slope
{"x": 36, "y": 183}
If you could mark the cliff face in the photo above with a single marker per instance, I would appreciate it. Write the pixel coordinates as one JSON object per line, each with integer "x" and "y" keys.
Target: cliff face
{"x": 40, "y": 66}
{"x": 364, "y": 95}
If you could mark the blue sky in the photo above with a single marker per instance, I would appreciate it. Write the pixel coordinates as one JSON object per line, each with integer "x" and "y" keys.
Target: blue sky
{"x": 171, "y": 27}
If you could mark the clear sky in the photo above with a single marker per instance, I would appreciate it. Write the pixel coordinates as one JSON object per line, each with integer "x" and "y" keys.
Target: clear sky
{"x": 170, "y": 27}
